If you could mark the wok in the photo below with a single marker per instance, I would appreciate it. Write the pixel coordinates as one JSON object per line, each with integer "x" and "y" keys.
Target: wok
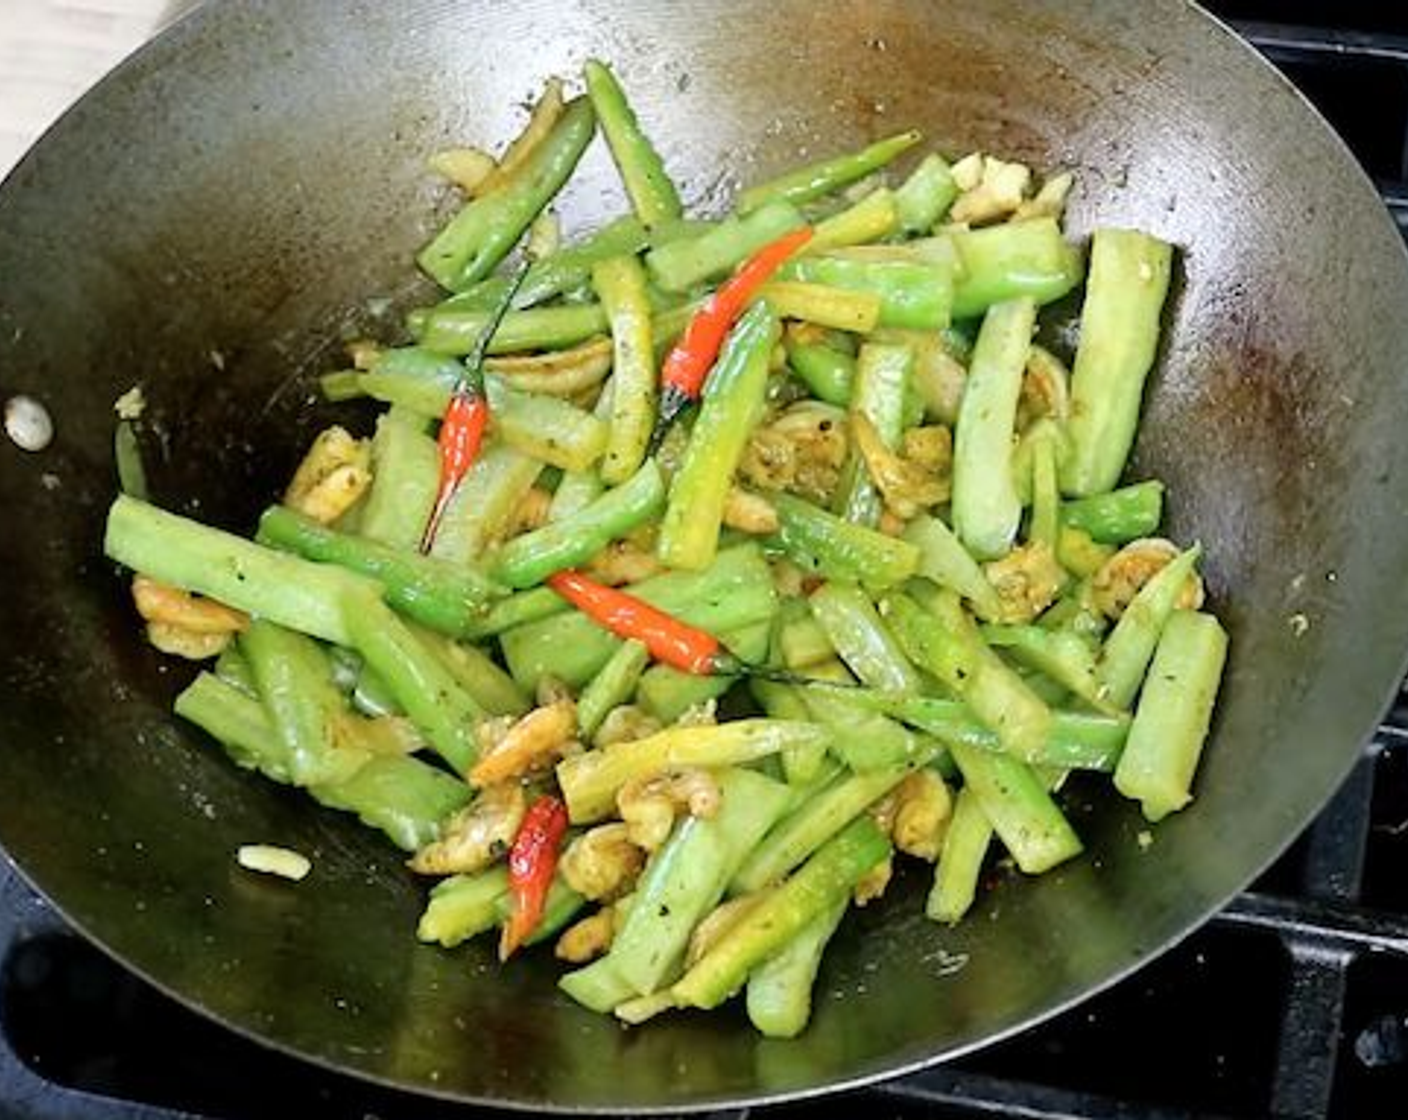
{"x": 247, "y": 190}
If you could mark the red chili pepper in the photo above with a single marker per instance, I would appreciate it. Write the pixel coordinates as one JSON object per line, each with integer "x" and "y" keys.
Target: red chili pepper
{"x": 467, "y": 414}
{"x": 532, "y": 862}
{"x": 668, "y": 639}
{"x": 688, "y": 364}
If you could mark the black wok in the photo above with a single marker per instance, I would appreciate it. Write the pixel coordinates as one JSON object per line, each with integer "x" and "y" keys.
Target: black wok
{"x": 212, "y": 218}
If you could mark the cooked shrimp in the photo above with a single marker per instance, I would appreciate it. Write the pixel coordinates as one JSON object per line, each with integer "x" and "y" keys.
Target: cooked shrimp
{"x": 906, "y": 486}
{"x": 541, "y": 736}
{"x": 650, "y": 804}
{"x": 1128, "y": 570}
{"x": 1028, "y": 580}
{"x": 625, "y": 723}
{"x": 801, "y": 450}
{"x": 749, "y": 513}
{"x": 602, "y": 863}
{"x": 587, "y": 939}
{"x": 1045, "y": 388}
{"x": 922, "y": 809}
{"x": 183, "y": 624}
{"x": 477, "y": 835}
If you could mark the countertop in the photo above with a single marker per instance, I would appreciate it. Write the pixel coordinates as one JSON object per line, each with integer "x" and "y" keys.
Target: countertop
{"x": 51, "y": 51}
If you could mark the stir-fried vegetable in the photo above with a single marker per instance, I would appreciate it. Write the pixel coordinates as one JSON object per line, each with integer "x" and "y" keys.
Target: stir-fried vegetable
{"x": 675, "y": 686}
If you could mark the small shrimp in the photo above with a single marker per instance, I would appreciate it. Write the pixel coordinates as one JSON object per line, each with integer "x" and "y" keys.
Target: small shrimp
{"x": 539, "y": 737}
{"x": 749, "y": 513}
{"x": 1119, "y": 580}
{"x": 602, "y": 863}
{"x": 1027, "y": 580}
{"x": 906, "y": 486}
{"x": 183, "y": 624}
{"x": 476, "y": 836}
{"x": 650, "y": 804}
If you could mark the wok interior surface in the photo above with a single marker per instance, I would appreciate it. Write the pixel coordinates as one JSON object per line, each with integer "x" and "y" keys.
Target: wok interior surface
{"x": 250, "y": 189}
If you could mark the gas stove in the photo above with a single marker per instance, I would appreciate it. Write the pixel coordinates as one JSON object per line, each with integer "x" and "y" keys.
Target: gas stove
{"x": 1292, "y": 1002}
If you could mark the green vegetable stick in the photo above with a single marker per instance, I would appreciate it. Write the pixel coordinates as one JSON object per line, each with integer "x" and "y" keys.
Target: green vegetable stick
{"x": 1119, "y": 516}
{"x": 652, "y": 194}
{"x": 986, "y": 509}
{"x": 620, "y": 285}
{"x": 915, "y": 291}
{"x": 1045, "y": 527}
{"x": 446, "y": 597}
{"x": 832, "y": 546}
{"x": 1012, "y": 260}
{"x": 482, "y": 234}
{"x": 881, "y": 386}
{"x": 873, "y": 218}
{"x": 680, "y": 265}
{"x": 401, "y": 796}
{"x": 960, "y": 860}
{"x": 825, "y": 879}
{"x": 478, "y": 674}
{"x": 1076, "y": 740}
{"x": 943, "y": 559}
{"x": 1062, "y": 655}
{"x": 820, "y": 817}
{"x": 836, "y": 308}
{"x": 598, "y": 986}
{"x": 732, "y": 404}
{"x": 612, "y": 686}
{"x": 828, "y": 373}
{"x": 779, "y": 994}
{"x": 296, "y": 593}
{"x": 1119, "y": 335}
{"x": 463, "y": 906}
{"x": 532, "y": 557}
{"x": 816, "y": 179}
{"x": 565, "y": 270}
{"x": 1130, "y": 645}
{"x": 575, "y": 490}
{"x": 452, "y": 330}
{"x": 405, "y": 472}
{"x": 802, "y": 766}
{"x": 926, "y": 195}
{"x": 944, "y": 641}
{"x": 591, "y": 780}
{"x": 804, "y": 642}
{"x": 865, "y": 739}
{"x": 295, "y": 684}
{"x": 1021, "y": 812}
{"x": 488, "y": 497}
{"x": 1174, "y": 713}
{"x": 859, "y": 636}
{"x": 686, "y": 880}
{"x": 426, "y": 690}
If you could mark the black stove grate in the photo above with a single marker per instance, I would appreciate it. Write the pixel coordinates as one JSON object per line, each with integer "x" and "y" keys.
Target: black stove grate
{"x": 1292, "y": 1002}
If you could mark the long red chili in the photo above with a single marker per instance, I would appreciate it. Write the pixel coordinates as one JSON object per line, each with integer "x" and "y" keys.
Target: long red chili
{"x": 532, "y": 861}
{"x": 688, "y": 363}
{"x": 668, "y": 639}
{"x": 467, "y": 414}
